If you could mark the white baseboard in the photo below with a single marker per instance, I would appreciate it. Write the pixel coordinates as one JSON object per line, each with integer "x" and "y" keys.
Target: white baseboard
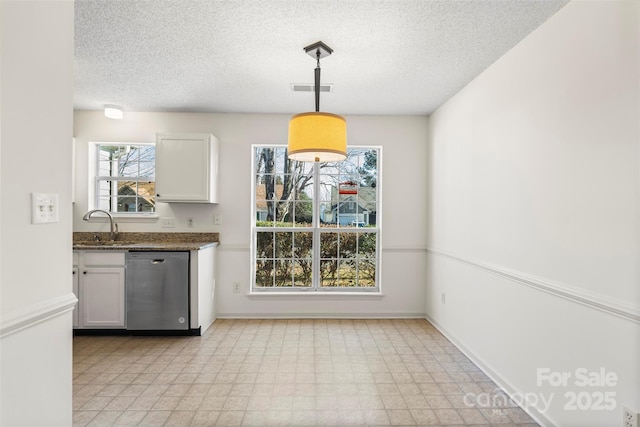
{"x": 321, "y": 316}
{"x": 511, "y": 391}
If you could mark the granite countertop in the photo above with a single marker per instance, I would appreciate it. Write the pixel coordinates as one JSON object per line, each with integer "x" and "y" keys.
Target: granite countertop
{"x": 144, "y": 241}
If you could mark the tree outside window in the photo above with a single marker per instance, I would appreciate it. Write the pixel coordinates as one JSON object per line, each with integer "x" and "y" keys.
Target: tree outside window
{"x": 125, "y": 178}
{"x": 315, "y": 225}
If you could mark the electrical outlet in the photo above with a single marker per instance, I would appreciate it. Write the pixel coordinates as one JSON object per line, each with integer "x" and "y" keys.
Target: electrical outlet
{"x": 189, "y": 222}
{"x": 217, "y": 219}
{"x": 168, "y": 222}
{"x": 236, "y": 287}
{"x": 629, "y": 418}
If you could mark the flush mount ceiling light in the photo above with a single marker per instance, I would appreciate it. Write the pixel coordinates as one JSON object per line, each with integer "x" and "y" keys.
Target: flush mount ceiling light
{"x": 316, "y": 136}
{"x": 113, "y": 112}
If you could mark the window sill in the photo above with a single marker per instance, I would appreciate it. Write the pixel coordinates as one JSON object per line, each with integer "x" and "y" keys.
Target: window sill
{"x": 315, "y": 294}
{"x": 126, "y": 218}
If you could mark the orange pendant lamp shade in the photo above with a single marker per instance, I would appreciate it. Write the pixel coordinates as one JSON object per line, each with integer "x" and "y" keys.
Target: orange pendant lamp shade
{"x": 317, "y": 137}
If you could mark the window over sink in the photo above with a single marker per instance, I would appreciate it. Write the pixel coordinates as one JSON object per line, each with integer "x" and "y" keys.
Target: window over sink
{"x": 123, "y": 178}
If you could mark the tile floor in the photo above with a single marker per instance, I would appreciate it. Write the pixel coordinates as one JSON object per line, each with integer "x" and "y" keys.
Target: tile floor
{"x": 305, "y": 372}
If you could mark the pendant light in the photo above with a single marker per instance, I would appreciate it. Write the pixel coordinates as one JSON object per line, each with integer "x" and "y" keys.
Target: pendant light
{"x": 316, "y": 136}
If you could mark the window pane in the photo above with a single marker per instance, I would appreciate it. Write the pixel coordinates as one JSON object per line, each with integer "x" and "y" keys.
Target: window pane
{"x": 348, "y": 242}
{"x": 265, "y": 196}
{"x": 284, "y": 213}
{"x": 127, "y": 169}
{"x": 135, "y": 196}
{"x": 283, "y": 244}
{"x": 367, "y": 245}
{"x": 303, "y": 213}
{"x": 147, "y": 153}
{"x": 367, "y": 273}
{"x": 264, "y": 273}
{"x": 303, "y": 246}
{"x": 328, "y": 245}
{"x": 347, "y": 273}
{"x": 303, "y": 273}
{"x": 264, "y": 245}
{"x": 328, "y": 273}
{"x": 284, "y": 272}
{"x": 127, "y": 196}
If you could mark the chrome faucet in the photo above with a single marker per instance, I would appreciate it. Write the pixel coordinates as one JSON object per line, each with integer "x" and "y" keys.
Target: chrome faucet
{"x": 114, "y": 227}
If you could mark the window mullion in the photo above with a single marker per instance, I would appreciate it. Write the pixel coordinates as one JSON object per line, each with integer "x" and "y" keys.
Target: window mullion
{"x": 315, "y": 263}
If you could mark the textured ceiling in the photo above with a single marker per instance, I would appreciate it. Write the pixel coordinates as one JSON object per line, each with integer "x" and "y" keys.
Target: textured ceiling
{"x": 390, "y": 57}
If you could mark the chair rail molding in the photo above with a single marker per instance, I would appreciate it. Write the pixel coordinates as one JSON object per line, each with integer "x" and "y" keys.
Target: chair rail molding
{"x": 630, "y": 312}
{"x": 36, "y": 313}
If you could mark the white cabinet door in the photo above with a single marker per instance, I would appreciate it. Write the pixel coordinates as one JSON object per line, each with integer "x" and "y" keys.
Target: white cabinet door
{"x": 187, "y": 168}
{"x": 76, "y": 293}
{"x": 102, "y": 297}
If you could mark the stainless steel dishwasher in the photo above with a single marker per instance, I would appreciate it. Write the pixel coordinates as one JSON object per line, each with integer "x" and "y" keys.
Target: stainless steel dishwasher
{"x": 157, "y": 290}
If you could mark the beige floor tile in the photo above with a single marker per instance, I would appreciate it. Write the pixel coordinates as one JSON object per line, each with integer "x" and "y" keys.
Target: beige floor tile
{"x": 472, "y": 416}
{"x": 279, "y": 418}
{"x": 212, "y": 403}
{"x": 393, "y": 401}
{"x": 198, "y": 390}
{"x": 189, "y": 403}
{"x": 97, "y": 403}
{"x": 448, "y": 416}
{"x": 303, "y": 418}
{"x": 105, "y": 418}
{"x": 155, "y": 418}
{"x": 425, "y": 416}
{"x": 400, "y": 417}
{"x": 205, "y": 418}
{"x": 256, "y": 418}
{"x": 297, "y": 372}
{"x": 120, "y": 403}
{"x": 143, "y": 403}
{"x": 180, "y": 418}
{"x": 376, "y": 417}
{"x": 327, "y": 418}
{"x": 82, "y": 418}
{"x": 130, "y": 418}
{"x": 166, "y": 403}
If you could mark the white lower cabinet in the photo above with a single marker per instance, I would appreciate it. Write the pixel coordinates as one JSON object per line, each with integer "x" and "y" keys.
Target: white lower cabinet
{"x": 101, "y": 290}
{"x": 76, "y": 292}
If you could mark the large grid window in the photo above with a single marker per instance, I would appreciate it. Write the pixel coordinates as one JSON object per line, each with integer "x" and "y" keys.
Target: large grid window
{"x": 125, "y": 178}
{"x": 315, "y": 225}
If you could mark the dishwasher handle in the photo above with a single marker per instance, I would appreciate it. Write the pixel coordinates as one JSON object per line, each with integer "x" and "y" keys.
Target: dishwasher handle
{"x": 157, "y": 261}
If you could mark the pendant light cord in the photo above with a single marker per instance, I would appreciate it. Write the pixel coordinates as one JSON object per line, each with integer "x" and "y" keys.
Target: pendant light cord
{"x": 317, "y": 81}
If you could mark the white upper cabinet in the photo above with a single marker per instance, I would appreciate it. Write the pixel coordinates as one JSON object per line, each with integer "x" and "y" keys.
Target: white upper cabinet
{"x": 187, "y": 168}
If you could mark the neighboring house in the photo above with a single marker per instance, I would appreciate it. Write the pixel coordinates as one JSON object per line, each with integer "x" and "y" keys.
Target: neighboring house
{"x": 349, "y": 212}
{"x": 357, "y": 209}
{"x": 261, "y": 202}
{"x": 144, "y": 202}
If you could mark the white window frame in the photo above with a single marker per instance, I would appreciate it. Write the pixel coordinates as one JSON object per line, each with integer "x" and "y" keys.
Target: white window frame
{"x": 94, "y": 179}
{"x": 317, "y": 230}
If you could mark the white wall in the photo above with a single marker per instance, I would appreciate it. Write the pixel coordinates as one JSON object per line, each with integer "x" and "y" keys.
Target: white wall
{"x": 35, "y": 260}
{"x": 534, "y": 211}
{"x": 403, "y": 208}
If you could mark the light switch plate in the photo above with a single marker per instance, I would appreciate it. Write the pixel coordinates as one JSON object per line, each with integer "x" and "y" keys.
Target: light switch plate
{"x": 44, "y": 208}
